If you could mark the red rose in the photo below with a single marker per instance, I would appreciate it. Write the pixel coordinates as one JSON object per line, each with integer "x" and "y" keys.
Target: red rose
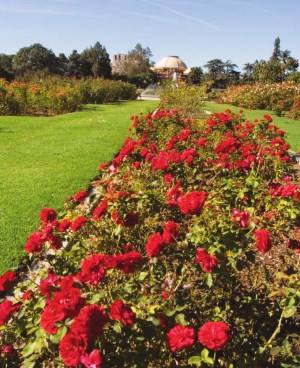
{"x": 7, "y": 280}
{"x": 192, "y": 202}
{"x": 127, "y": 262}
{"x": 214, "y": 335}
{"x": 170, "y": 232}
{"x": 161, "y": 161}
{"x": 49, "y": 284}
{"x": 65, "y": 304}
{"x": 180, "y": 337}
{"x": 90, "y": 322}
{"x": 207, "y": 261}
{"x": 63, "y": 226}
{"x": 263, "y": 241}
{"x": 100, "y": 210}
{"x": 47, "y": 215}
{"x": 78, "y": 223}
{"x": 240, "y": 217}
{"x": 120, "y": 312}
{"x": 80, "y": 196}
{"x": 268, "y": 118}
{"x": 92, "y": 360}
{"x": 154, "y": 245}
{"x": 7, "y": 309}
{"x": 72, "y": 348}
{"x": 93, "y": 269}
{"x": 201, "y": 142}
{"x": 34, "y": 243}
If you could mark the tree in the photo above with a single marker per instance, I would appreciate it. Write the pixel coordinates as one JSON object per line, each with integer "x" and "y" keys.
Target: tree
{"x": 196, "y": 75}
{"x": 138, "y": 61}
{"x": 6, "y": 66}
{"x": 34, "y": 58}
{"x": 229, "y": 67}
{"x": 215, "y": 68}
{"x": 277, "y": 50}
{"x": 62, "y": 64}
{"x": 248, "y": 71}
{"x": 95, "y": 61}
{"x": 74, "y": 65}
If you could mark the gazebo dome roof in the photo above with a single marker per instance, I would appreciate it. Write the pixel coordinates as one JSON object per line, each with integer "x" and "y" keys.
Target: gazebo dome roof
{"x": 171, "y": 62}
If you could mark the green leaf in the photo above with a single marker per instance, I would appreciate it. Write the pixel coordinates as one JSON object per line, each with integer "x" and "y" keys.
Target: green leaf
{"x": 289, "y": 312}
{"x": 206, "y": 358}
{"x": 195, "y": 360}
{"x": 180, "y": 319}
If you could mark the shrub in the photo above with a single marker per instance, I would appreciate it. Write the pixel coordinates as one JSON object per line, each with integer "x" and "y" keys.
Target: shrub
{"x": 278, "y": 97}
{"x": 188, "y": 100}
{"x": 55, "y": 95}
{"x": 182, "y": 254}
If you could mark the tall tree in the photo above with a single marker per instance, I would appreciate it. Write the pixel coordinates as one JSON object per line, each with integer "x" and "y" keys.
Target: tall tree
{"x": 34, "y": 58}
{"x": 6, "y": 66}
{"x": 74, "y": 65}
{"x": 138, "y": 61}
{"x": 196, "y": 75}
{"x": 95, "y": 61}
{"x": 215, "y": 68}
{"x": 276, "y": 50}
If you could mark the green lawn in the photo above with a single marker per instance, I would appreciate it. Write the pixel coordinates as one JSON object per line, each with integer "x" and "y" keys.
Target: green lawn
{"x": 291, "y": 127}
{"x": 45, "y": 159}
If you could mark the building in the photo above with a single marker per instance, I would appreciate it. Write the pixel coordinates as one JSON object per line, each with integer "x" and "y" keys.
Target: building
{"x": 117, "y": 63}
{"x": 170, "y": 67}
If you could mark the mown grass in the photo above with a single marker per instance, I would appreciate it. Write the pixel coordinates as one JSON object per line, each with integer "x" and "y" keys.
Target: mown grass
{"x": 290, "y": 126}
{"x": 44, "y": 160}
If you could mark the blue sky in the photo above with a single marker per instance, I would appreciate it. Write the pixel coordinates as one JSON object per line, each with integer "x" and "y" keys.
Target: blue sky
{"x": 196, "y": 30}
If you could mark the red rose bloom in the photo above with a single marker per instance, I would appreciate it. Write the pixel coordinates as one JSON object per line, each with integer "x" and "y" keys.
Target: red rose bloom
{"x": 7, "y": 280}
{"x": 85, "y": 329}
{"x": 207, "y": 261}
{"x": 192, "y": 202}
{"x": 170, "y": 232}
{"x": 214, "y": 335}
{"x": 154, "y": 245}
{"x": 49, "y": 284}
{"x": 92, "y": 360}
{"x": 263, "y": 241}
{"x": 180, "y": 337}
{"x": 268, "y": 118}
{"x": 47, "y": 215}
{"x": 65, "y": 304}
{"x": 100, "y": 210}
{"x": 93, "y": 269}
{"x": 240, "y": 217}
{"x": 78, "y": 223}
{"x": 80, "y": 196}
{"x": 72, "y": 348}
{"x": 7, "y": 309}
{"x": 127, "y": 262}
{"x": 63, "y": 226}
{"x": 120, "y": 312}
{"x": 34, "y": 243}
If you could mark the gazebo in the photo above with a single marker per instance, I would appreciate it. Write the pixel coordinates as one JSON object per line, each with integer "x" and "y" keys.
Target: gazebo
{"x": 169, "y": 65}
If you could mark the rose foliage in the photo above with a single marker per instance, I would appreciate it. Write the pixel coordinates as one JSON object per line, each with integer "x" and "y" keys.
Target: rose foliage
{"x": 183, "y": 252}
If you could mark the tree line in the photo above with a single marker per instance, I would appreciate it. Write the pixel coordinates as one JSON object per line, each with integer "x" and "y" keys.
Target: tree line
{"x": 136, "y": 67}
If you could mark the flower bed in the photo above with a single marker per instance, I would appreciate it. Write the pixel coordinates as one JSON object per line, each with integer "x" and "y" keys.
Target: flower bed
{"x": 56, "y": 95}
{"x": 278, "y": 97}
{"x": 182, "y": 253}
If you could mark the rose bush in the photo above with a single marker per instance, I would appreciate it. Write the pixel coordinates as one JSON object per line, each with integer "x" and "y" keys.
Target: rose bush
{"x": 57, "y": 95}
{"x": 279, "y": 97}
{"x": 183, "y": 252}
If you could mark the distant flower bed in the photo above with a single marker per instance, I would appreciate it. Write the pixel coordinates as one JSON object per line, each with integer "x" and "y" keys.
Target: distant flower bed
{"x": 55, "y": 95}
{"x": 182, "y": 253}
{"x": 279, "y": 97}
